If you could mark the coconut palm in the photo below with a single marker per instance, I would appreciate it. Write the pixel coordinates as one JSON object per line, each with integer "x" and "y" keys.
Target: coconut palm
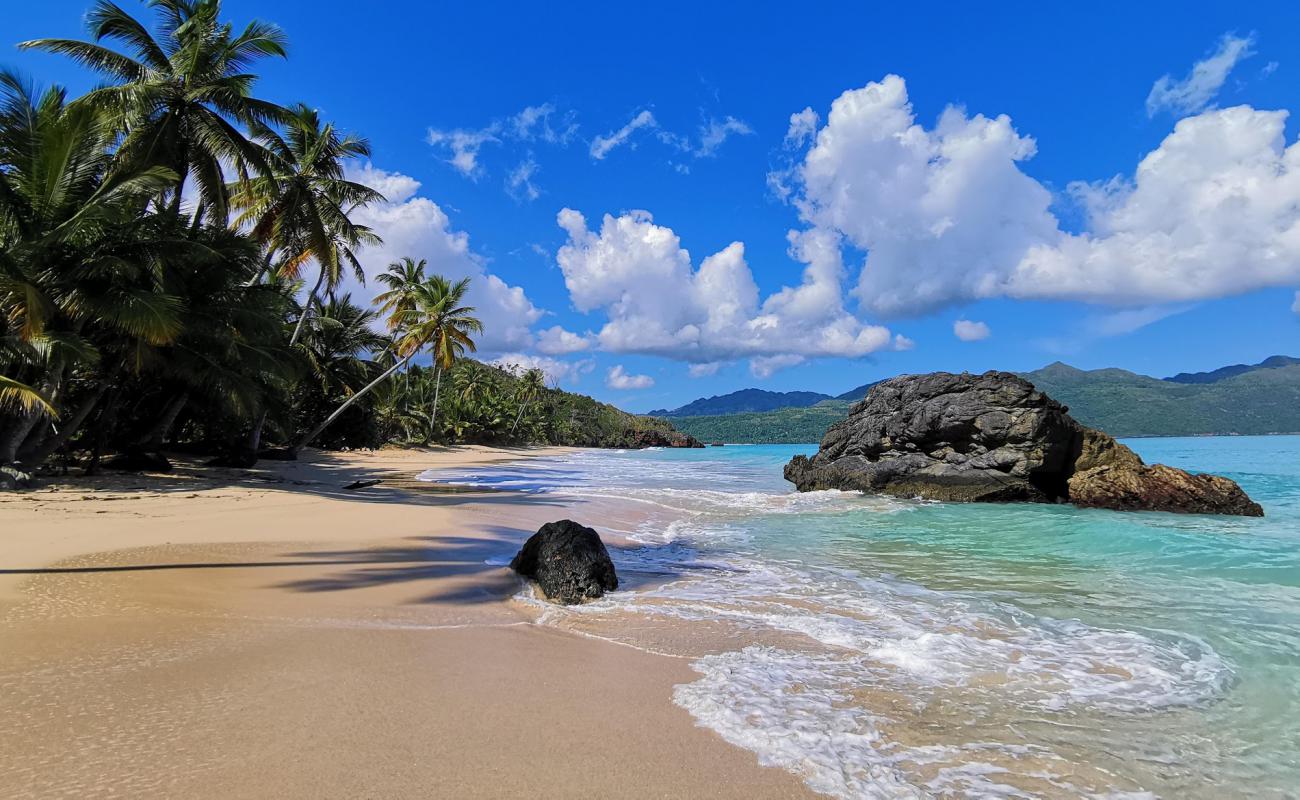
{"x": 531, "y": 385}
{"x": 180, "y": 91}
{"x": 436, "y": 319}
{"x": 301, "y": 208}
{"x": 440, "y": 320}
{"x": 79, "y": 266}
{"x": 402, "y": 278}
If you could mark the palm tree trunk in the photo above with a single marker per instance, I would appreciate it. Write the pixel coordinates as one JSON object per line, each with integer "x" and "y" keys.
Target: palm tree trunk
{"x": 518, "y": 416}
{"x": 103, "y": 429}
{"x": 156, "y": 435}
{"x": 27, "y": 422}
{"x": 38, "y": 455}
{"x": 266, "y": 267}
{"x": 306, "y": 440}
{"x": 306, "y": 309}
{"x": 433, "y": 412}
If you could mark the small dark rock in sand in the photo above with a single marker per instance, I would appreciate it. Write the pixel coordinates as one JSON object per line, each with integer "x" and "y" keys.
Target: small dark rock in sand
{"x": 568, "y": 561}
{"x": 994, "y": 437}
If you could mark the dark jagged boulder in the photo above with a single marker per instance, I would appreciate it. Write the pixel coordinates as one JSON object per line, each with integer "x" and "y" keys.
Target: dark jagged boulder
{"x": 568, "y": 561}
{"x": 990, "y": 438}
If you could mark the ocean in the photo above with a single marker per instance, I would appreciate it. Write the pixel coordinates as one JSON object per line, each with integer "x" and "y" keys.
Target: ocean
{"x": 884, "y": 648}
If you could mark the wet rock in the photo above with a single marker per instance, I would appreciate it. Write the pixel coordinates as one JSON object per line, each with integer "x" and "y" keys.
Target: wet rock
{"x": 568, "y": 561}
{"x": 990, "y": 438}
{"x": 1160, "y": 488}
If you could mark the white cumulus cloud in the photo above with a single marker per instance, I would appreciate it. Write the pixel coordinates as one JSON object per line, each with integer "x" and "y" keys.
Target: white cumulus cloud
{"x": 418, "y": 227}
{"x": 657, "y": 302}
{"x": 1296, "y": 305}
{"x": 946, "y": 215}
{"x": 617, "y": 378}
{"x": 557, "y": 371}
{"x": 556, "y": 341}
{"x": 1196, "y": 91}
{"x": 970, "y": 331}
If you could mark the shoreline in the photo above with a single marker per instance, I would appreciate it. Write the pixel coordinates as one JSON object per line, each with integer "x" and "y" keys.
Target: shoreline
{"x": 230, "y": 633}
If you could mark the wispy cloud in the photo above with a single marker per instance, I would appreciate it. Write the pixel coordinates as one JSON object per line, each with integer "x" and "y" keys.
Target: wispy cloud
{"x": 704, "y": 144}
{"x": 1196, "y": 91}
{"x": 541, "y": 123}
{"x": 463, "y": 147}
{"x": 519, "y": 184}
{"x": 602, "y": 145}
{"x": 716, "y": 132}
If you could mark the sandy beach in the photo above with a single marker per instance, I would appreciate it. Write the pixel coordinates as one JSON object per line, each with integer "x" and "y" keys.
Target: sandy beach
{"x": 266, "y": 633}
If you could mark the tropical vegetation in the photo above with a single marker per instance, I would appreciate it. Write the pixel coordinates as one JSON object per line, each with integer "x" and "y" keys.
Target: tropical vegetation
{"x": 175, "y": 252}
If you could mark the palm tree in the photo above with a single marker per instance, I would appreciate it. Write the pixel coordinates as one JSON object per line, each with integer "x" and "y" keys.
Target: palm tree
{"x": 401, "y": 278}
{"x": 435, "y": 319}
{"x": 79, "y": 266}
{"x": 301, "y": 208}
{"x": 441, "y": 320}
{"x": 178, "y": 90}
{"x": 531, "y": 385}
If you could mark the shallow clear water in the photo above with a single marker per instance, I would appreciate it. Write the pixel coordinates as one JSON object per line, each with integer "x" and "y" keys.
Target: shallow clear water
{"x": 886, "y": 648}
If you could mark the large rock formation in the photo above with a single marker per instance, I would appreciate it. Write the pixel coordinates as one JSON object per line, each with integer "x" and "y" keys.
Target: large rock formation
{"x": 994, "y": 437}
{"x": 653, "y": 437}
{"x": 568, "y": 561}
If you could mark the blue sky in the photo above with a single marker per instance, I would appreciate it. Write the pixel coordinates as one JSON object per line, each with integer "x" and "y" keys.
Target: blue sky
{"x": 994, "y": 180}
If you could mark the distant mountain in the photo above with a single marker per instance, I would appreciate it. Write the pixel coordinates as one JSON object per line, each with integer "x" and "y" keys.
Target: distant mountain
{"x": 1272, "y": 362}
{"x": 1122, "y": 403}
{"x": 1264, "y": 398}
{"x": 743, "y": 401}
{"x": 858, "y": 393}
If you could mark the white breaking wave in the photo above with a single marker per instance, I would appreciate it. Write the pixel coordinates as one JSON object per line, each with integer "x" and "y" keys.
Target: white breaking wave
{"x": 817, "y": 637}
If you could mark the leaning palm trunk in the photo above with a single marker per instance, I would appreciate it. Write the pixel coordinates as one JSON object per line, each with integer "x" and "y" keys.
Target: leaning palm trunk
{"x": 26, "y": 423}
{"x": 433, "y": 412}
{"x": 518, "y": 417}
{"x": 255, "y": 435}
{"x": 306, "y": 309}
{"x": 306, "y": 440}
{"x": 37, "y": 456}
{"x": 158, "y": 433}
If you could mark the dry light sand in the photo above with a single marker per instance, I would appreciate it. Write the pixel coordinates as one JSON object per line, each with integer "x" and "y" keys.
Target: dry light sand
{"x": 263, "y": 633}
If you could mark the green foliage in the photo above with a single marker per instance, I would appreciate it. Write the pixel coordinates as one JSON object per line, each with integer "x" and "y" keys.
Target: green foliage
{"x": 1122, "y": 403}
{"x": 782, "y": 426}
{"x": 485, "y": 404}
{"x": 129, "y": 321}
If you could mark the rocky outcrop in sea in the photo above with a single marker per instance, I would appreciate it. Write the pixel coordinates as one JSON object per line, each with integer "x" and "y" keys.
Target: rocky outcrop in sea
{"x": 991, "y": 438}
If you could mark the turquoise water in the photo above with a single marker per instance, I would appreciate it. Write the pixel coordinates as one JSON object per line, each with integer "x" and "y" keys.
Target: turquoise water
{"x": 885, "y": 648}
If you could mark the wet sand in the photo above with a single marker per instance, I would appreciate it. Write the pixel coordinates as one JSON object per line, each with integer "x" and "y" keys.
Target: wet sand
{"x": 265, "y": 633}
